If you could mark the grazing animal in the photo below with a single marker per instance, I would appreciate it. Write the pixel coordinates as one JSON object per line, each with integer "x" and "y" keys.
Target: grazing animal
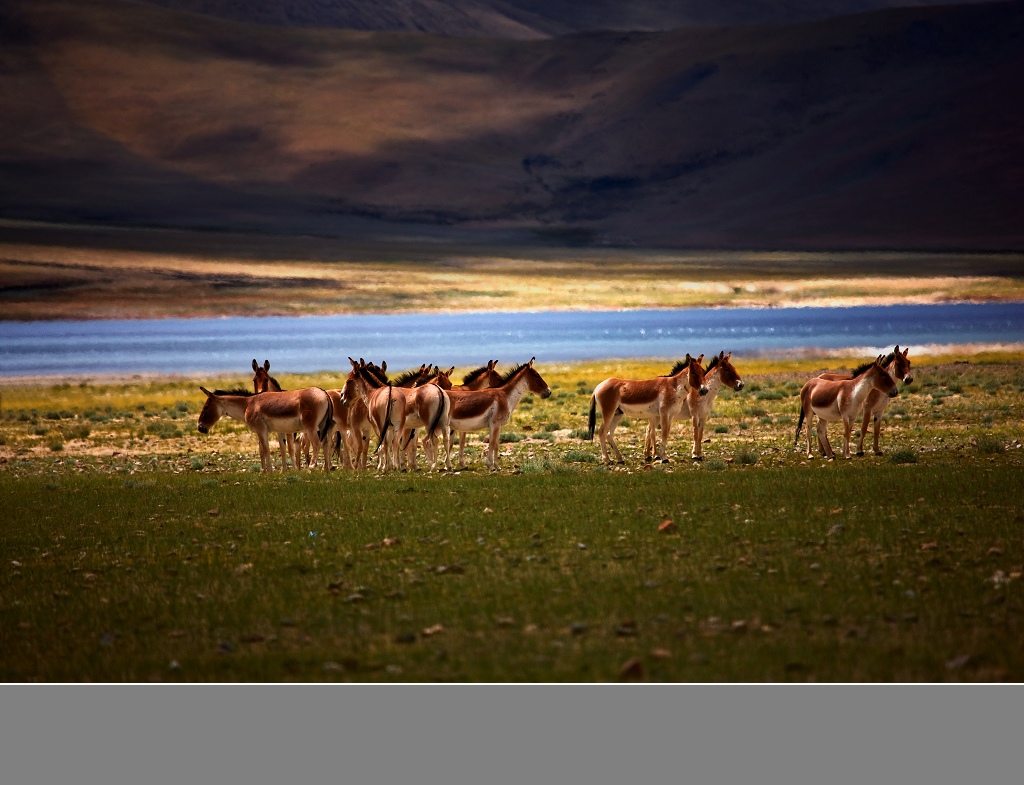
{"x": 831, "y": 400}
{"x": 660, "y": 398}
{"x": 360, "y": 427}
{"x": 385, "y": 408}
{"x": 262, "y": 381}
{"x": 491, "y": 409}
{"x": 307, "y": 410}
{"x": 719, "y": 371}
{"x": 898, "y": 365}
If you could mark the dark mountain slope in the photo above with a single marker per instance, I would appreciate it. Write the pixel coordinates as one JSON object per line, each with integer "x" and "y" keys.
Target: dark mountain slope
{"x": 527, "y": 19}
{"x": 892, "y": 129}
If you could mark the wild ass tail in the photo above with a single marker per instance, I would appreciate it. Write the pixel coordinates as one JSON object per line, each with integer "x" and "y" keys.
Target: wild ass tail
{"x": 592, "y": 421}
{"x": 799, "y": 424}
{"x": 445, "y": 404}
{"x": 327, "y": 421}
{"x": 387, "y": 420}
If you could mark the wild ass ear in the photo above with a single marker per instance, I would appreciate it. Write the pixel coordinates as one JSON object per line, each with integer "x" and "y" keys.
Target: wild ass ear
{"x": 897, "y": 349}
{"x": 208, "y": 393}
{"x": 384, "y": 365}
{"x": 266, "y": 366}
{"x": 531, "y": 361}
{"x": 354, "y": 363}
{"x": 255, "y": 365}
{"x": 450, "y": 371}
{"x": 905, "y": 351}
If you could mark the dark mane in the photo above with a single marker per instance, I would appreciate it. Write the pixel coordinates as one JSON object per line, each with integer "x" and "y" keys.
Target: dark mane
{"x": 506, "y": 377}
{"x": 861, "y": 368}
{"x": 888, "y": 358}
{"x": 714, "y": 361}
{"x": 405, "y": 378}
{"x": 679, "y": 366}
{"x": 472, "y": 376}
{"x": 247, "y": 393}
{"x": 376, "y": 372}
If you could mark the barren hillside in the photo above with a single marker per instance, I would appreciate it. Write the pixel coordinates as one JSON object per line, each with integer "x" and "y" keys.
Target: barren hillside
{"x": 898, "y": 128}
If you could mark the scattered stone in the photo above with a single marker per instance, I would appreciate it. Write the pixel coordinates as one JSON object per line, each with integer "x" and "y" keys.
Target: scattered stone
{"x": 356, "y": 597}
{"x": 626, "y": 629}
{"x": 929, "y": 546}
{"x": 579, "y": 628}
{"x": 667, "y": 527}
{"x": 434, "y": 630}
{"x": 958, "y": 662}
{"x": 253, "y": 637}
{"x": 661, "y": 654}
{"x": 632, "y": 670}
{"x": 333, "y": 666}
{"x": 505, "y": 622}
{"x": 213, "y": 512}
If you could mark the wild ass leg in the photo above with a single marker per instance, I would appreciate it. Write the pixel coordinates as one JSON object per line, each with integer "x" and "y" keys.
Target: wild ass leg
{"x": 608, "y": 435}
{"x": 666, "y": 426}
{"x": 698, "y": 438}
{"x": 649, "y": 440}
{"x": 823, "y": 442}
{"x": 847, "y": 432}
{"x": 863, "y": 432}
{"x": 878, "y": 427}
{"x": 264, "y": 438}
{"x": 493, "y": 447}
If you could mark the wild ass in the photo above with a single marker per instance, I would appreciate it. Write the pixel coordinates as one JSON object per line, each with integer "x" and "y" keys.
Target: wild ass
{"x": 393, "y": 410}
{"x": 719, "y": 371}
{"x": 307, "y": 410}
{"x": 833, "y": 400}
{"x": 898, "y": 365}
{"x": 262, "y": 381}
{"x": 491, "y": 409}
{"x": 659, "y": 398}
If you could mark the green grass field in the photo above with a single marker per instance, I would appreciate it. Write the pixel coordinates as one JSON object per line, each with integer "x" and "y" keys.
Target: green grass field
{"x": 134, "y": 549}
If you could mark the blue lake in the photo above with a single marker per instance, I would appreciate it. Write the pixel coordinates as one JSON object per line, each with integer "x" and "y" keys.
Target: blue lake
{"x": 314, "y": 343}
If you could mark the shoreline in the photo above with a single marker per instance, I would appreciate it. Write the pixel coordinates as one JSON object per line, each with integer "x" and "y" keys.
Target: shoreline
{"x": 928, "y": 354}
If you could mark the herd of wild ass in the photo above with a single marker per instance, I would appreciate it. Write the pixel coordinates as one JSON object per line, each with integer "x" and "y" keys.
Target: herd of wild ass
{"x": 341, "y": 422}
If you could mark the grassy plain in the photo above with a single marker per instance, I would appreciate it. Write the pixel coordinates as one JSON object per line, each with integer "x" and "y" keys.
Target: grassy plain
{"x": 135, "y": 549}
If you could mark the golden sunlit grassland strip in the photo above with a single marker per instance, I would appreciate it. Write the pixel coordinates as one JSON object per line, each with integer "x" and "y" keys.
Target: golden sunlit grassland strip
{"x": 49, "y": 281}
{"x": 134, "y": 549}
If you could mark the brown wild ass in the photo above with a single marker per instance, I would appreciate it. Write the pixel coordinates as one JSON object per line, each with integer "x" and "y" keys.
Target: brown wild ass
{"x": 832, "y": 400}
{"x": 659, "y": 398}
{"x": 720, "y": 371}
{"x": 360, "y": 427}
{"x": 491, "y": 409}
{"x": 393, "y": 410}
{"x": 307, "y": 410}
{"x": 898, "y": 365}
{"x": 262, "y": 381}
